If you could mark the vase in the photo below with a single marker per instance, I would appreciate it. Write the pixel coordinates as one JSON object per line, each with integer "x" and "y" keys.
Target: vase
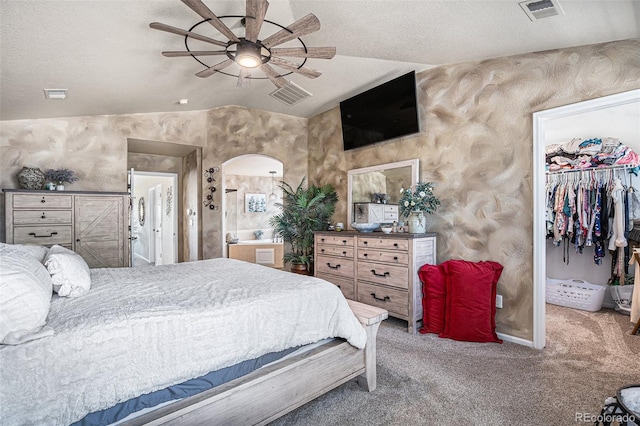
{"x": 60, "y": 186}
{"x": 30, "y": 178}
{"x": 417, "y": 222}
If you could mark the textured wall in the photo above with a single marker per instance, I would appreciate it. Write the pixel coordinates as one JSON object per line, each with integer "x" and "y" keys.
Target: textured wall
{"x": 191, "y": 181}
{"x": 477, "y": 146}
{"x": 95, "y": 147}
{"x": 235, "y": 131}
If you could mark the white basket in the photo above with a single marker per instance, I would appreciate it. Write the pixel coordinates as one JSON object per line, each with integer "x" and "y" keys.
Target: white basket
{"x": 574, "y": 293}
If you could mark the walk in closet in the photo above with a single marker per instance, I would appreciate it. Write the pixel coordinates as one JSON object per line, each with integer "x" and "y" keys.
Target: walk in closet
{"x": 593, "y": 184}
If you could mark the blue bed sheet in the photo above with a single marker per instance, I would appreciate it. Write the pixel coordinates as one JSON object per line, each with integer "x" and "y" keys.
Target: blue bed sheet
{"x": 179, "y": 391}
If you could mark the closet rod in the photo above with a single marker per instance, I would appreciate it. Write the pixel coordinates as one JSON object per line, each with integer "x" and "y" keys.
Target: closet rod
{"x": 594, "y": 169}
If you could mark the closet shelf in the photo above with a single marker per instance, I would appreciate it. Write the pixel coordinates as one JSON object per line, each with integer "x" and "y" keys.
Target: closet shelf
{"x": 593, "y": 169}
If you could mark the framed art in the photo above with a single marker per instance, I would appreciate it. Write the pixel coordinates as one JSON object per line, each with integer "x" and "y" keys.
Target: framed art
{"x": 255, "y": 203}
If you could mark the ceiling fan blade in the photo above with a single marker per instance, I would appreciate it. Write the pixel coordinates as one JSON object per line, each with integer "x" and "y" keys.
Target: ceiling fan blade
{"x": 201, "y": 9}
{"x": 302, "y": 26}
{"x": 307, "y": 72}
{"x": 256, "y": 10}
{"x": 299, "y": 52}
{"x": 214, "y": 69}
{"x": 244, "y": 77}
{"x": 179, "y": 31}
{"x": 273, "y": 75}
{"x": 173, "y": 54}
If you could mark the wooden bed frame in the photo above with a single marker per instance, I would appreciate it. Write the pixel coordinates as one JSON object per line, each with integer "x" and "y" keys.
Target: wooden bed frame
{"x": 272, "y": 391}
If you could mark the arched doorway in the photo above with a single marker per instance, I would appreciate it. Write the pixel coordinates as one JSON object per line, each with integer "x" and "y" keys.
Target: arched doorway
{"x": 251, "y": 191}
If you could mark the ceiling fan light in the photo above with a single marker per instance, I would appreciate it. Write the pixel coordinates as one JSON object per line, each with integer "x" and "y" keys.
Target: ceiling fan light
{"x": 248, "y": 56}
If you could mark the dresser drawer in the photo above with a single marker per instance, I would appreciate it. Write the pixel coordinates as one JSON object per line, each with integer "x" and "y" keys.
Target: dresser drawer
{"x": 42, "y": 235}
{"x": 33, "y": 217}
{"x": 335, "y": 266}
{"x": 338, "y": 240}
{"x": 384, "y": 243}
{"x": 346, "y": 285}
{"x": 395, "y": 301}
{"x": 344, "y": 251}
{"x": 39, "y": 201}
{"x": 373, "y": 255}
{"x": 391, "y": 275}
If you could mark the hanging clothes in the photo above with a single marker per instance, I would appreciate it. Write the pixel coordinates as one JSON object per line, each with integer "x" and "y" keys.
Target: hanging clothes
{"x": 589, "y": 209}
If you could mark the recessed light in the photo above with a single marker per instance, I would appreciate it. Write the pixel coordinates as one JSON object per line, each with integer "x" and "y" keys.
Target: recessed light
{"x": 183, "y": 101}
{"x": 55, "y": 93}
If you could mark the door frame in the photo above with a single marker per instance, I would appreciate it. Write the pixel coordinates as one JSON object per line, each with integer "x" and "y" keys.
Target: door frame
{"x": 539, "y": 247}
{"x": 176, "y": 193}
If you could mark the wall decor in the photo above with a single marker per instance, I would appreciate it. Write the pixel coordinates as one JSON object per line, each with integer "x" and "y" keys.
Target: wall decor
{"x": 255, "y": 203}
{"x": 169, "y": 200}
{"x": 208, "y": 175}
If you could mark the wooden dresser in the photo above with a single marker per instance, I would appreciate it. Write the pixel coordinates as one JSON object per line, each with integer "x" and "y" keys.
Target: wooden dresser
{"x": 377, "y": 269}
{"x": 93, "y": 224}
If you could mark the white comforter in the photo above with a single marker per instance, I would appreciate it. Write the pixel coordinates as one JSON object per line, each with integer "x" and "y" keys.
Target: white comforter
{"x": 143, "y": 329}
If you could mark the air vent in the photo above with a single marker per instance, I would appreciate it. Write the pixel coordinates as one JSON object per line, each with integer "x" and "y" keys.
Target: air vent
{"x": 539, "y": 9}
{"x": 55, "y": 93}
{"x": 290, "y": 93}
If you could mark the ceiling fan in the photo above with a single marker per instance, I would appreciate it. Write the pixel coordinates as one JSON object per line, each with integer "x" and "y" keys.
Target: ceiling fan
{"x": 251, "y": 52}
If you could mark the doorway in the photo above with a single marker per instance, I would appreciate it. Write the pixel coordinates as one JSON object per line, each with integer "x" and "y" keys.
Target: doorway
{"x": 243, "y": 177}
{"x": 154, "y": 219}
{"x": 618, "y": 114}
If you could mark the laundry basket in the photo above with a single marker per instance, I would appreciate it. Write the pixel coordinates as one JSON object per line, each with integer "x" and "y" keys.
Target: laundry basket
{"x": 574, "y": 293}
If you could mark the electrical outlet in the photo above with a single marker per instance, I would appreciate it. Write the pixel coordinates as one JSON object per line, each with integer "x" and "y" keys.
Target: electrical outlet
{"x": 499, "y": 301}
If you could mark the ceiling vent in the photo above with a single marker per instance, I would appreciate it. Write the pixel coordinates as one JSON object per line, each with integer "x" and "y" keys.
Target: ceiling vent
{"x": 290, "y": 94}
{"x": 539, "y": 9}
{"x": 55, "y": 93}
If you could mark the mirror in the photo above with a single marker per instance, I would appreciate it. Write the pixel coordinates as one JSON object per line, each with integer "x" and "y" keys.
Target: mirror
{"x": 370, "y": 184}
{"x": 141, "y": 211}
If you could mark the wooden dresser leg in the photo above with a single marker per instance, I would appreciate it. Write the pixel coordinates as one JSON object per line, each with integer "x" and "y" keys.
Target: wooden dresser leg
{"x": 635, "y": 329}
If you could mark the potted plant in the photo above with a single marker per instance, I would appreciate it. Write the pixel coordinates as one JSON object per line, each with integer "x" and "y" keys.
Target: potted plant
{"x": 60, "y": 176}
{"x": 413, "y": 205}
{"x": 304, "y": 210}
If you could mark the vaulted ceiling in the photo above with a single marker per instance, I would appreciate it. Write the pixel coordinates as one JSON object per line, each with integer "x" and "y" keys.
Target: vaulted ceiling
{"x": 108, "y": 58}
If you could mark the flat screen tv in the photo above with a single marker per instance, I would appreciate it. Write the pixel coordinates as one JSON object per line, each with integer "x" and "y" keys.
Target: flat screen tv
{"x": 385, "y": 112}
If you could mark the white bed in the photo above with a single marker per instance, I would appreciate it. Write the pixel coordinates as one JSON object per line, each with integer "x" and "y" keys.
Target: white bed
{"x": 142, "y": 329}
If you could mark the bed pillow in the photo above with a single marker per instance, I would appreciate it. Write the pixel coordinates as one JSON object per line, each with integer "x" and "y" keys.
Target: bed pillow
{"x": 37, "y": 252}
{"x": 471, "y": 300}
{"x": 25, "y": 295}
{"x": 434, "y": 284}
{"x": 69, "y": 272}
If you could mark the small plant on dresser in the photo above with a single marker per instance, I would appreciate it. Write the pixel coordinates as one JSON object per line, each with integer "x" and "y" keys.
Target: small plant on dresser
{"x": 60, "y": 177}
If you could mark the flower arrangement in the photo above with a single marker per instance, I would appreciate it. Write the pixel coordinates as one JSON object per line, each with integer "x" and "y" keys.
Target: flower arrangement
{"x": 60, "y": 175}
{"x": 420, "y": 200}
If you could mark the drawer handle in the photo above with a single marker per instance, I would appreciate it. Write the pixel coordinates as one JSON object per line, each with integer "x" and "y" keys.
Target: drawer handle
{"x": 395, "y": 244}
{"x": 42, "y": 236}
{"x": 385, "y": 275}
{"x": 43, "y": 200}
{"x": 344, "y": 253}
{"x": 322, "y": 239}
{"x": 322, "y": 250}
{"x": 365, "y": 254}
{"x": 344, "y": 241}
{"x": 385, "y": 299}
{"x": 333, "y": 267}
{"x": 395, "y": 258}
{"x": 365, "y": 242}
{"x": 43, "y": 216}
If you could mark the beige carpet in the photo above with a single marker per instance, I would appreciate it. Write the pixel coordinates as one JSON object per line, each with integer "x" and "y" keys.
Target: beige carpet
{"x": 425, "y": 380}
